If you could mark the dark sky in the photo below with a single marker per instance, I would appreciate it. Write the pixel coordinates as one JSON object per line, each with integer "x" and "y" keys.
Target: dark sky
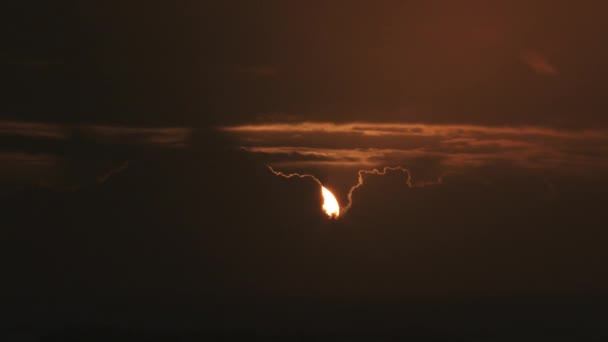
{"x": 191, "y": 62}
{"x": 135, "y": 140}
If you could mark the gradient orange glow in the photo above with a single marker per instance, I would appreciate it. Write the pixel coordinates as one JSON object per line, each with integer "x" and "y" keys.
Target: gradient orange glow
{"x": 330, "y": 204}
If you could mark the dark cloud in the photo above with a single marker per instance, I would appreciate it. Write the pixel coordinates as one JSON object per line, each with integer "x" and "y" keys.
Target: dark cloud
{"x": 28, "y": 168}
{"x": 33, "y": 130}
{"x": 161, "y": 136}
{"x": 68, "y": 156}
{"x": 25, "y": 158}
{"x": 287, "y": 155}
{"x": 113, "y": 172}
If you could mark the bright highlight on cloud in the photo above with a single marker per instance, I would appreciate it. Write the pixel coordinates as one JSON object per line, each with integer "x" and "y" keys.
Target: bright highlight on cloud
{"x": 331, "y": 207}
{"x": 330, "y": 203}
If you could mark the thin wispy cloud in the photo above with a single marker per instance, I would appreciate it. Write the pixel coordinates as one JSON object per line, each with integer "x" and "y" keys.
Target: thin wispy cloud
{"x": 33, "y": 130}
{"x": 539, "y": 63}
{"x": 379, "y": 144}
{"x": 159, "y": 136}
{"x": 47, "y": 153}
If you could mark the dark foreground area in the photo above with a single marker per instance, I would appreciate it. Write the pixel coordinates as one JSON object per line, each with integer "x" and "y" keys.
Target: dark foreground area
{"x": 490, "y": 319}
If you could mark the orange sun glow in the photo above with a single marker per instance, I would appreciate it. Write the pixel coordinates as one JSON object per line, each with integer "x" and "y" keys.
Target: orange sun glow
{"x": 330, "y": 204}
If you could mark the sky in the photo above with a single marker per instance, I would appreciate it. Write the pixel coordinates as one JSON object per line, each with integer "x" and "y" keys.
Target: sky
{"x": 162, "y": 165}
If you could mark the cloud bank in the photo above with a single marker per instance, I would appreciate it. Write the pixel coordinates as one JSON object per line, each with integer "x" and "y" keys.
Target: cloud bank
{"x": 368, "y": 145}
{"x": 57, "y": 155}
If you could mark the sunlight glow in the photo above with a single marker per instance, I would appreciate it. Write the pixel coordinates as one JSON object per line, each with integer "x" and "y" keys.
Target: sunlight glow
{"x": 330, "y": 204}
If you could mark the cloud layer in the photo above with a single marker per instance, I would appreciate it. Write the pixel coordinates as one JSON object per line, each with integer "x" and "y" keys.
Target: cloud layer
{"x": 63, "y": 155}
{"x": 367, "y": 144}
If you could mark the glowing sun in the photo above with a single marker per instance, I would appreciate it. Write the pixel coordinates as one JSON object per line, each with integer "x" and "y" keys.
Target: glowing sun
{"x": 330, "y": 204}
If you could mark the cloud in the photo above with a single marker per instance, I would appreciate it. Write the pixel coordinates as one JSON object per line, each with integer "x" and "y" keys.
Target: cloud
{"x": 27, "y": 158}
{"x": 363, "y": 174}
{"x": 538, "y": 63}
{"x": 33, "y": 130}
{"x": 69, "y": 156}
{"x": 157, "y": 136}
{"x": 368, "y": 145}
{"x": 28, "y": 168}
{"x": 294, "y": 175}
{"x": 397, "y": 158}
{"x": 307, "y": 155}
{"x": 112, "y": 172}
{"x": 402, "y": 129}
{"x": 55, "y": 172}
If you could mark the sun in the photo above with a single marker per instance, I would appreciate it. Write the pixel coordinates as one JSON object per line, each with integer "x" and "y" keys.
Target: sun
{"x": 330, "y": 204}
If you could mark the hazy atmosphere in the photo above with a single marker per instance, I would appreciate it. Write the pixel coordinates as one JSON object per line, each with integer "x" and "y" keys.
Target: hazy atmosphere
{"x": 290, "y": 170}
